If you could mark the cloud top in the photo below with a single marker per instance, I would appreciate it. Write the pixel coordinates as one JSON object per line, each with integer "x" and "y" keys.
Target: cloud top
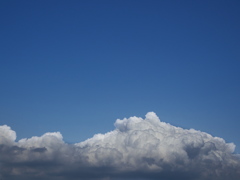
{"x": 7, "y": 135}
{"x": 138, "y": 148}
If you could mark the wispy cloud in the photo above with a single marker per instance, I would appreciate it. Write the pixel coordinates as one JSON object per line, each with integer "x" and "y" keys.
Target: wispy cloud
{"x": 137, "y": 149}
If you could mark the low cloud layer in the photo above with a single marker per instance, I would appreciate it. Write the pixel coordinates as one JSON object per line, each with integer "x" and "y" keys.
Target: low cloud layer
{"x": 137, "y": 149}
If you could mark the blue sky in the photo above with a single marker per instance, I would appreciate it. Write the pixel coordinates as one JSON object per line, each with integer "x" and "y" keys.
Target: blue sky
{"x": 77, "y": 66}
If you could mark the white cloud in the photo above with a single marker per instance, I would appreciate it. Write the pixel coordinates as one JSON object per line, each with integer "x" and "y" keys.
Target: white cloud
{"x": 7, "y": 135}
{"x": 50, "y": 140}
{"x": 138, "y": 147}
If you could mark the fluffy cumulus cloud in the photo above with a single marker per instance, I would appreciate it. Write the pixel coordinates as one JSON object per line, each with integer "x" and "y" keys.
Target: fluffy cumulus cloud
{"x": 137, "y": 149}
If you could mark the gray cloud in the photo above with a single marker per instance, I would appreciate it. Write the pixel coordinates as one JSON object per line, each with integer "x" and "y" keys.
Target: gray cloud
{"x": 137, "y": 149}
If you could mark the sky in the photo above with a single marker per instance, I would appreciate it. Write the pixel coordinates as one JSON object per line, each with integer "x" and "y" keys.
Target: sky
{"x": 72, "y": 71}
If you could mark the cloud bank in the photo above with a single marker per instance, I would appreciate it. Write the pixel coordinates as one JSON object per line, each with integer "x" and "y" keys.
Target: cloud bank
{"x": 137, "y": 149}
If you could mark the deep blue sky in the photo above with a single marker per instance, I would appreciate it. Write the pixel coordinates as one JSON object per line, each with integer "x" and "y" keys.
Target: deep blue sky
{"x": 77, "y": 66}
